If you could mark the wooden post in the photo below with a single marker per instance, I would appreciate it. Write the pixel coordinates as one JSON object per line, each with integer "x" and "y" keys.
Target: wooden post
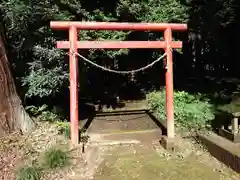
{"x": 73, "y": 61}
{"x": 169, "y": 83}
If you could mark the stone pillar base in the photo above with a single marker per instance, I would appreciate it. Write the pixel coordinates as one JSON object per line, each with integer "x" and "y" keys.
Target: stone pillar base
{"x": 168, "y": 144}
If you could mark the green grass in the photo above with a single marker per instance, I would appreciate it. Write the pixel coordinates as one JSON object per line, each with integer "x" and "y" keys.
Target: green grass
{"x": 51, "y": 159}
{"x": 56, "y": 158}
{"x": 64, "y": 129}
{"x": 28, "y": 173}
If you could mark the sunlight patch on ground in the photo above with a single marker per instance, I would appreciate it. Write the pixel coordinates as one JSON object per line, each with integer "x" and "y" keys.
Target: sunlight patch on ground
{"x": 143, "y": 165}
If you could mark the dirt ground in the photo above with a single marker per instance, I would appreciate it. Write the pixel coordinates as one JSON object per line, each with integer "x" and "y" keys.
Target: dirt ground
{"x": 142, "y": 162}
{"x": 130, "y": 149}
{"x": 17, "y": 150}
{"x": 130, "y": 152}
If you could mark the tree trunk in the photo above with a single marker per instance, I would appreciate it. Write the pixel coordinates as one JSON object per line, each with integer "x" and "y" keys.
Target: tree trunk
{"x": 13, "y": 116}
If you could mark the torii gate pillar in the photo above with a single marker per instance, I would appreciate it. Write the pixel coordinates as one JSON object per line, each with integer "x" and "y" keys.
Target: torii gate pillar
{"x": 73, "y": 65}
{"x": 169, "y": 83}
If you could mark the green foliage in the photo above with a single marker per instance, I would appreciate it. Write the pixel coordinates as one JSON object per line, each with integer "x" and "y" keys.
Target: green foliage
{"x": 47, "y": 74}
{"x": 38, "y": 64}
{"x": 167, "y": 11}
{"x": 232, "y": 107}
{"x": 53, "y": 158}
{"x": 28, "y": 173}
{"x": 56, "y": 158}
{"x": 42, "y": 113}
{"x": 42, "y": 69}
{"x": 190, "y": 111}
{"x": 64, "y": 128}
{"x": 36, "y": 111}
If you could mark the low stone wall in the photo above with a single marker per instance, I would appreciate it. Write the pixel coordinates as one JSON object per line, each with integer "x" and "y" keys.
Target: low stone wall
{"x": 215, "y": 146}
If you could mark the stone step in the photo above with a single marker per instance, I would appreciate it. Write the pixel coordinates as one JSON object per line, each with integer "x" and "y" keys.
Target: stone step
{"x": 121, "y": 123}
{"x": 144, "y": 136}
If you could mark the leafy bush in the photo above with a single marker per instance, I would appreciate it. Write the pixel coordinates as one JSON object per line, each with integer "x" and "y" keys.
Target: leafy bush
{"x": 64, "y": 128}
{"x": 42, "y": 113}
{"x": 47, "y": 73}
{"x": 56, "y": 158}
{"x": 190, "y": 111}
{"x": 28, "y": 173}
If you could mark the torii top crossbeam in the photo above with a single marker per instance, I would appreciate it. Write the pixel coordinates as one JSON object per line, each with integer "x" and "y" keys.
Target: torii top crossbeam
{"x": 117, "y": 26}
{"x": 73, "y": 45}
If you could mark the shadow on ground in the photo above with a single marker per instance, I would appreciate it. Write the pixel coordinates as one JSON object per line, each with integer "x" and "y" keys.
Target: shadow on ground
{"x": 120, "y": 121}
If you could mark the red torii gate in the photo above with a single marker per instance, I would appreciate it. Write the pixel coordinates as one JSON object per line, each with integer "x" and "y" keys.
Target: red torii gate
{"x": 73, "y": 45}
